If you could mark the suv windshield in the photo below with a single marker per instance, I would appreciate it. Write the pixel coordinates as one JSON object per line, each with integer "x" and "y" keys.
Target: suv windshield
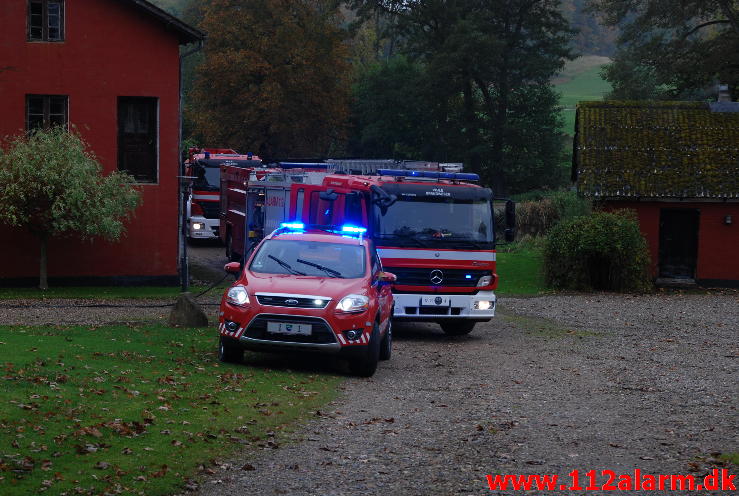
{"x": 437, "y": 217}
{"x": 309, "y": 258}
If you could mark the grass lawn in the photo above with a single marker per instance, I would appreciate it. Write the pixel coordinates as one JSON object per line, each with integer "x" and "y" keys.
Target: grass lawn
{"x": 138, "y": 410}
{"x": 520, "y": 272}
{"x": 105, "y": 292}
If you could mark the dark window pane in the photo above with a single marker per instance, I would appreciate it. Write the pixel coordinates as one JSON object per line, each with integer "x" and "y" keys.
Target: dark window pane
{"x": 57, "y": 120}
{"x": 36, "y": 21}
{"x": 35, "y": 122}
{"x": 55, "y": 25}
{"x": 57, "y": 104}
{"x": 36, "y": 105}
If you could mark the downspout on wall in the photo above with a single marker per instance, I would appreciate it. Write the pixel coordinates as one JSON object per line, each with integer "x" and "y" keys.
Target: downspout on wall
{"x": 182, "y": 243}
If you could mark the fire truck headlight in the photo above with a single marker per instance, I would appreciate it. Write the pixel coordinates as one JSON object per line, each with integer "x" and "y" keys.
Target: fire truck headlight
{"x": 353, "y": 304}
{"x": 483, "y": 305}
{"x": 237, "y": 295}
{"x": 484, "y": 281}
{"x": 198, "y": 226}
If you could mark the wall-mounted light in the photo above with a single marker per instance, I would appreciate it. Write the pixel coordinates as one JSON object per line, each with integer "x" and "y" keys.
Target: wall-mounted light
{"x": 727, "y": 220}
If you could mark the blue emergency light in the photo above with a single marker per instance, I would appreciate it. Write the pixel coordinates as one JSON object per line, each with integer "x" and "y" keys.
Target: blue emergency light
{"x": 455, "y": 176}
{"x": 293, "y": 225}
{"x": 353, "y": 229}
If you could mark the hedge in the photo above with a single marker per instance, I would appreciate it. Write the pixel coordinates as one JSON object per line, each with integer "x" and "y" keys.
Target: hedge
{"x": 603, "y": 251}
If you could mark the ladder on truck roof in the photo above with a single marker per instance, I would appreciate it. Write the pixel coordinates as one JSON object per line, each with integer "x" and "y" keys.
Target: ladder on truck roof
{"x": 370, "y": 167}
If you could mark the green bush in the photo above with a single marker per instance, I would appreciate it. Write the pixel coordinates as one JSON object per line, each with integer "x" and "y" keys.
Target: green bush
{"x": 602, "y": 251}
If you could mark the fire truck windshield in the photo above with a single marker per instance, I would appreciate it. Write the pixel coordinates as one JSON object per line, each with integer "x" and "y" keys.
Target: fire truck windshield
{"x": 438, "y": 216}
{"x": 207, "y": 178}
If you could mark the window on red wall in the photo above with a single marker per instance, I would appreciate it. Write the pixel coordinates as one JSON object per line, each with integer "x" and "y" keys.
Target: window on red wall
{"x": 44, "y": 111}
{"x": 45, "y": 20}
{"x": 138, "y": 137}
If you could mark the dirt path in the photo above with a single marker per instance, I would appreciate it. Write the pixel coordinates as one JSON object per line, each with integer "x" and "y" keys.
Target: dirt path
{"x": 555, "y": 384}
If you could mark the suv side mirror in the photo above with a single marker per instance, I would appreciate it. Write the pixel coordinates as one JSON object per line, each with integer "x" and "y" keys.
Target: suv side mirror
{"x": 510, "y": 221}
{"x": 232, "y": 268}
{"x": 386, "y": 277}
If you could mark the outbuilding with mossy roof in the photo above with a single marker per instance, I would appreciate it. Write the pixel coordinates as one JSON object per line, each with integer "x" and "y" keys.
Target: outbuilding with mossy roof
{"x": 677, "y": 165}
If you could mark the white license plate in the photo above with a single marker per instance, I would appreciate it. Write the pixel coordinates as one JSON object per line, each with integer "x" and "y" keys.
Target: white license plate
{"x": 435, "y": 301}
{"x": 287, "y": 328}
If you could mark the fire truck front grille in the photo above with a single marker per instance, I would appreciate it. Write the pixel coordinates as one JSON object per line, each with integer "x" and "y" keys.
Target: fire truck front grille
{"x": 211, "y": 210}
{"x": 320, "y": 331}
{"x": 413, "y": 276}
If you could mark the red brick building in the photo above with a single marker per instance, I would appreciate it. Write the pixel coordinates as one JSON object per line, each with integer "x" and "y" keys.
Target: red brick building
{"x": 110, "y": 68}
{"x": 677, "y": 165}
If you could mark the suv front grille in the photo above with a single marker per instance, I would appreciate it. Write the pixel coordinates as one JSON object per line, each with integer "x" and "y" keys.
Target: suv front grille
{"x": 321, "y": 333}
{"x": 413, "y": 276}
{"x": 291, "y": 301}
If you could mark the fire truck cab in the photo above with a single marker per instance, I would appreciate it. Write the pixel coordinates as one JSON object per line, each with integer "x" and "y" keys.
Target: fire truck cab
{"x": 203, "y": 202}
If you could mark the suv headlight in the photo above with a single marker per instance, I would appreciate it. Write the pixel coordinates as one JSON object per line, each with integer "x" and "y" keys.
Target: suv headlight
{"x": 237, "y": 295}
{"x": 353, "y": 303}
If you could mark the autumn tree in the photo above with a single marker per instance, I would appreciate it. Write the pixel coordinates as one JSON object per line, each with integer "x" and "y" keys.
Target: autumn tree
{"x": 274, "y": 77}
{"x": 487, "y": 66}
{"x": 670, "y": 49}
{"x": 53, "y": 186}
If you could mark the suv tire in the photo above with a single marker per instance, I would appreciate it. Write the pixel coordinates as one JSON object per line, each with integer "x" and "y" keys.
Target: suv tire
{"x": 229, "y": 353}
{"x": 365, "y": 364}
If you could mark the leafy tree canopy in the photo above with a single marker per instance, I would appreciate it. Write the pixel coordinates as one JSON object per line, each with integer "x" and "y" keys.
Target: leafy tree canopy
{"x": 674, "y": 50}
{"x": 274, "y": 79}
{"x": 53, "y": 186}
{"x": 480, "y": 88}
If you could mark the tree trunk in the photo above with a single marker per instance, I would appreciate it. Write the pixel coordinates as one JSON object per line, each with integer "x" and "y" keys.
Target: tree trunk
{"x": 43, "y": 283}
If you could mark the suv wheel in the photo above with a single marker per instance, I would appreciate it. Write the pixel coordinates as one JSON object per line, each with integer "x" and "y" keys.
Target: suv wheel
{"x": 365, "y": 364}
{"x": 457, "y": 327}
{"x": 229, "y": 353}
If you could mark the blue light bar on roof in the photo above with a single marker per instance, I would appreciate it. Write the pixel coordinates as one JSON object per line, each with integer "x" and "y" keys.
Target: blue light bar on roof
{"x": 455, "y": 176}
{"x": 353, "y": 229}
{"x": 292, "y": 225}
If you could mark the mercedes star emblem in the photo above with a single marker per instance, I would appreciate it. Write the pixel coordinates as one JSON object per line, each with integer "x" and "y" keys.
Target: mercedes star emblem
{"x": 436, "y": 276}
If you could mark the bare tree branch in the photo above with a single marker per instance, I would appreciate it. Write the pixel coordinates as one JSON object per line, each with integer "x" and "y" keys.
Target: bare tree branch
{"x": 704, "y": 24}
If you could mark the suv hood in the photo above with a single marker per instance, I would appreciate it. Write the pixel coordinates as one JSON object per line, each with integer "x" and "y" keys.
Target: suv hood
{"x": 329, "y": 287}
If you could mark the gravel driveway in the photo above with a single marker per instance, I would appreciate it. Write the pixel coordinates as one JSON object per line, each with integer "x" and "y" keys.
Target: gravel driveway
{"x": 555, "y": 383}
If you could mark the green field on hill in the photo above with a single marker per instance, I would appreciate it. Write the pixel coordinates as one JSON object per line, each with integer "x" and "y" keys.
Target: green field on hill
{"x": 580, "y": 81}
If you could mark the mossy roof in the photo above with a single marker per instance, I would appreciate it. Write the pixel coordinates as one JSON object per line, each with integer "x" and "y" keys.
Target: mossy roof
{"x": 657, "y": 150}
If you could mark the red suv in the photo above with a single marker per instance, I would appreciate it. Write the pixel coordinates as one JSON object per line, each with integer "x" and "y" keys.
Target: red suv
{"x": 313, "y": 289}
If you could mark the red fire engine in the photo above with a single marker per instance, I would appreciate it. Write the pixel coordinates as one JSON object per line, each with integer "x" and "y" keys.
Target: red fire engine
{"x": 203, "y": 202}
{"x": 433, "y": 229}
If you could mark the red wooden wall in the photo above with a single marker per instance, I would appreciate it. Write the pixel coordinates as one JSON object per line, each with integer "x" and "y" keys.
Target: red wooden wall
{"x": 718, "y": 243}
{"x": 111, "y": 49}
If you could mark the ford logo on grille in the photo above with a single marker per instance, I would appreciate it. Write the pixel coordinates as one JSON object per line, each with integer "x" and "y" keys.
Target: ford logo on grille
{"x": 291, "y": 301}
{"x": 436, "y": 276}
